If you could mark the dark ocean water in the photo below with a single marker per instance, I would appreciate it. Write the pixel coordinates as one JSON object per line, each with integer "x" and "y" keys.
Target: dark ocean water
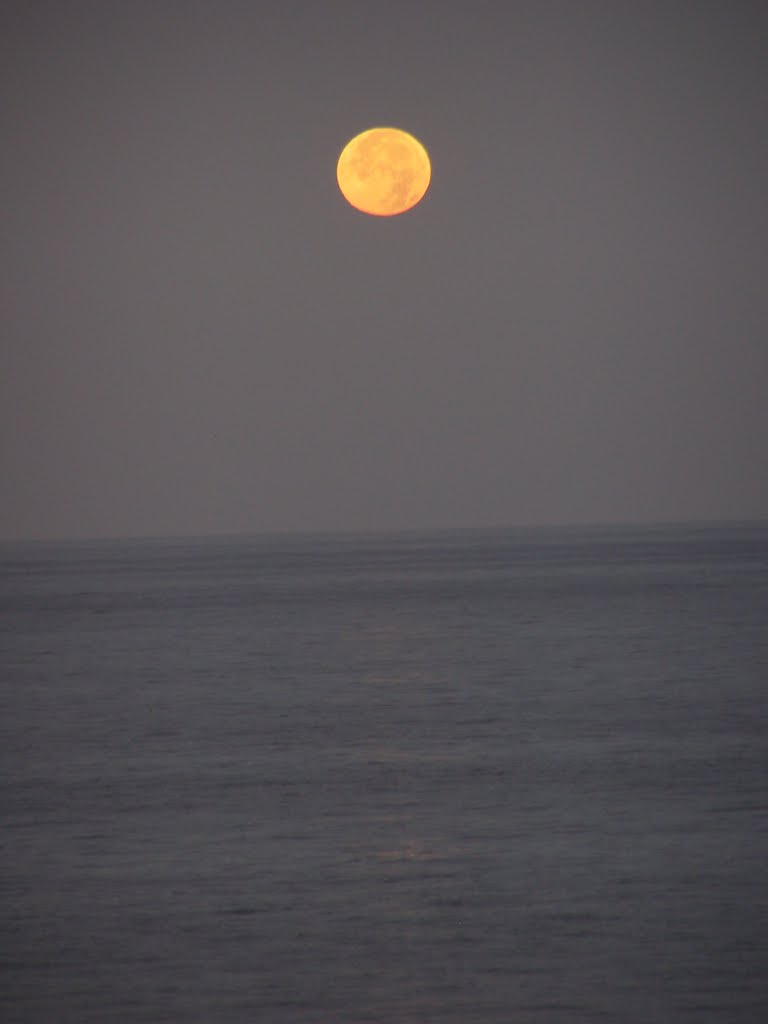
{"x": 502, "y": 776}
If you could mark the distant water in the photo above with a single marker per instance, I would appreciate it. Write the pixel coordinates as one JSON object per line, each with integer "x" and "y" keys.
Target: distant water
{"x": 502, "y": 776}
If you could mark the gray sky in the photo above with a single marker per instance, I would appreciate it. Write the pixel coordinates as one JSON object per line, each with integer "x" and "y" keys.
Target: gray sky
{"x": 199, "y": 334}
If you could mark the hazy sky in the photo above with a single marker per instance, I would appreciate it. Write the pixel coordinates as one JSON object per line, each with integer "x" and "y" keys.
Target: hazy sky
{"x": 199, "y": 334}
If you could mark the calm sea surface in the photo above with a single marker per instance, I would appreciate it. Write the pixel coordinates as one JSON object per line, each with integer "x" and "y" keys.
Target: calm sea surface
{"x": 498, "y": 776}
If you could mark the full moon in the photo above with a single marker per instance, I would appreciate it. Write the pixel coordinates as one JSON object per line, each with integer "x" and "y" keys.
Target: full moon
{"x": 383, "y": 171}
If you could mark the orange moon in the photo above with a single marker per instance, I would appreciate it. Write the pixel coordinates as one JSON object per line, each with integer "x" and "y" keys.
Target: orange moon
{"x": 383, "y": 171}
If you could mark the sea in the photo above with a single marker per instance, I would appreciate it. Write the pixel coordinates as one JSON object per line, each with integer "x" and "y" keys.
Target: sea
{"x": 510, "y": 776}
